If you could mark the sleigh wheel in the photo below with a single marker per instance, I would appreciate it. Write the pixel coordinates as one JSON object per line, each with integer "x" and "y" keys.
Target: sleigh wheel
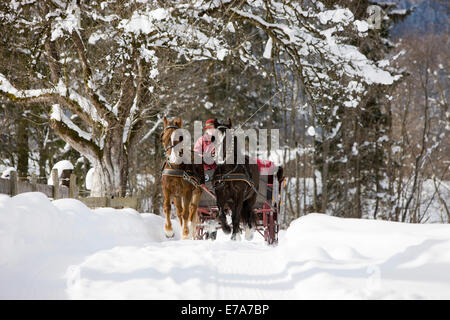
{"x": 200, "y": 233}
{"x": 205, "y": 226}
{"x": 271, "y": 229}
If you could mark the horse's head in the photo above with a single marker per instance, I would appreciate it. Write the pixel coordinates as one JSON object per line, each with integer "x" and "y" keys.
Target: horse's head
{"x": 166, "y": 136}
{"x": 222, "y": 127}
{"x": 221, "y": 134}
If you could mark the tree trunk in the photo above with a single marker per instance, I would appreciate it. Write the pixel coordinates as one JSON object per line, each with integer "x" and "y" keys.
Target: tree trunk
{"x": 419, "y": 157}
{"x": 313, "y": 168}
{"x": 326, "y": 149}
{"x": 390, "y": 162}
{"x": 357, "y": 199}
{"x": 114, "y": 166}
{"x": 347, "y": 153}
{"x": 22, "y": 147}
{"x": 297, "y": 182}
{"x": 305, "y": 158}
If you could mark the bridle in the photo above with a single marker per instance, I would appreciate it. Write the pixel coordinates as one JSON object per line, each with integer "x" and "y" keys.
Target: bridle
{"x": 162, "y": 133}
{"x": 222, "y": 127}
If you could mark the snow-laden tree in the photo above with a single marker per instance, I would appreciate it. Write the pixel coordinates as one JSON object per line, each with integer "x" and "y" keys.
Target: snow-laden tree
{"x": 95, "y": 65}
{"x": 339, "y": 61}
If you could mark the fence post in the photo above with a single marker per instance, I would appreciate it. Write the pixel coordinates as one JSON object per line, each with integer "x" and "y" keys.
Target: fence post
{"x": 139, "y": 201}
{"x": 65, "y": 177}
{"x": 73, "y": 186}
{"x": 55, "y": 179}
{"x": 33, "y": 182}
{"x": 13, "y": 183}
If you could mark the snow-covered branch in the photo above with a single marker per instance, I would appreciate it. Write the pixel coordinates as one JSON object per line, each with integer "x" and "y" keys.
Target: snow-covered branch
{"x": 152, "y": 130}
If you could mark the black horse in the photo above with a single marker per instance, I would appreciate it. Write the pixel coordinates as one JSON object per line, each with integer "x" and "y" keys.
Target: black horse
{"x": 234, "y": 186}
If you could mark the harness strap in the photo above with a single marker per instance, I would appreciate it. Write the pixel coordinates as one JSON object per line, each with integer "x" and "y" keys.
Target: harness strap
{"x": 171, "y": 127}
{"x": 186, "y": 175}
{"x": 240, "y": 177}
{"x": 233, "y": 177}
{"x": 168, "y": 127}
{"x": 172, "y": 172}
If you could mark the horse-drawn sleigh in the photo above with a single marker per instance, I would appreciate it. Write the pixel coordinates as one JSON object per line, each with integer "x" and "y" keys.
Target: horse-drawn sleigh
{"x": 250, "y": 191}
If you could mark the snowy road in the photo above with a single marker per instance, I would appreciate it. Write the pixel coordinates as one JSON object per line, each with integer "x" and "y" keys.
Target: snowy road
{"x": 63, "y": 250}
{"x": 227, "y": 270}
{"x": 180, "y": 270}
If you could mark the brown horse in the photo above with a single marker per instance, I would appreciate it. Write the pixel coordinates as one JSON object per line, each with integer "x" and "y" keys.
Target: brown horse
{"x": 185, "y": 194}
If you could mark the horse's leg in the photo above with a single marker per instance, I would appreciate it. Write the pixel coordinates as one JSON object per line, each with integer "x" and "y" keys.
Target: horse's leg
{"x": 186, "y": 203}
{"x": 179, "y": 206}
{"x": 168, "y": 225}
{"x": 222, "y": 217}
{"x": 249, "y": 219}
{"x": 196, "y": 194}
{"x": 236, "y": 217}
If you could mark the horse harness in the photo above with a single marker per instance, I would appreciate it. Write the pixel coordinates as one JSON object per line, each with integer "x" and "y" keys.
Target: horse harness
{"x": 187, "y": 175}
{"x": 220, "y": 179}
{"x": 230, "y": 176}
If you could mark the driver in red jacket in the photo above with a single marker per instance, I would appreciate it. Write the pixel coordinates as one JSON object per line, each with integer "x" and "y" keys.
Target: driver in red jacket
{"x": 204, "y": 144}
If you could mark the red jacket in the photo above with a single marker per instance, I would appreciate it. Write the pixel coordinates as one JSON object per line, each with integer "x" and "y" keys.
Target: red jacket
{"x": 204, "y": 145}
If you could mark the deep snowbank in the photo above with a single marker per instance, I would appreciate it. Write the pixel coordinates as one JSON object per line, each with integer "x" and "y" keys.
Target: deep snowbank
{"x": 354, "y": 258}
{"x": 345, "y": 239}
{"x": 39, "y": 237}
{"x": 62, "y": 249}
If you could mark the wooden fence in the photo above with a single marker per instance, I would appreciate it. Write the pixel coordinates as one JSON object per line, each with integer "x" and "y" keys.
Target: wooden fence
{"x": 68, "y": 189}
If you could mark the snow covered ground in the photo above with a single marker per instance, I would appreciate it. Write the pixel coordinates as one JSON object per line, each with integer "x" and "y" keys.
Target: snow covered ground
{"x": 63, "y": 250}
